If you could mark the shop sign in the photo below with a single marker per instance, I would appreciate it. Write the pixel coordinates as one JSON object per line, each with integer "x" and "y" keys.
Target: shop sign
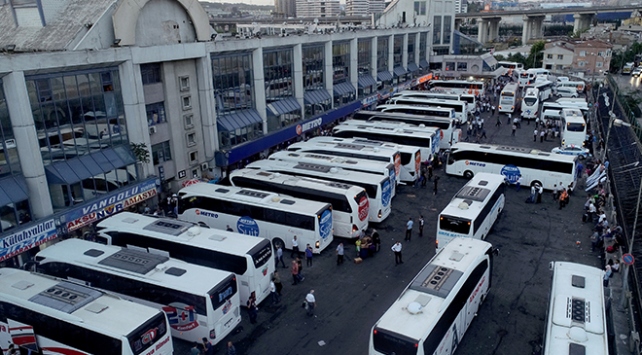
{"x": 26, "y": 239}
{"x": 315, "y": 123}
{"x": 110, "y": 205}
{"x": 190, "y": 182}
{"x": 370, "y": 100}
{"x": 182, "y": 174}
{"x": 423, "y": 79}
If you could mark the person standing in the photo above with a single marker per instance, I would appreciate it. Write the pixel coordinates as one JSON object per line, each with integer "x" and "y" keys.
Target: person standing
{"x": 340, "y": 253}
{"x": 279, "y": 256}
{"x": 295, "y": 247}
{"x": 308, "y": 255}
{"x": 533, "y": 196}
{"x": 275, "y": 296}
{"x": 396, "y": 248}
{"x": 231, "y": 350}
{"x": 295, "y": 272}
{"x": 540, "y": 192}
{"x": 429, "y": 170}
{"x": 300, "y": 274}
{"x": 608, "y": 272}
{"x": 435, "y": 188}
{"x": 311, "y": 303}
{"x": 277, "y": 282}
{"x": 376, "y": 240}
{"x": 409, "y": 225}
{"x": 535, "y": 135}
{"x": 252, "y": 310}
{"x": 421, "y": 226}
{"x": 498, "y": 123}
{"x": 194, "y": 350}
{"x": 208, "y": 348}
{"x": 542, "y": 135}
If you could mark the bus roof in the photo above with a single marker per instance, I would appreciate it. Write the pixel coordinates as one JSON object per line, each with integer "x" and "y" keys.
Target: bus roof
{"x": 293, "y": 180}
{"x": 318, "y": 170}
{"x": 153, "y": 268}
{"x": 510, "y": 87}
{"x": 581, "y": 286}
{"x": 514, "y": 151}
{"x": 573, "y": 115}
{"x": 256, "y": 197}
{"x": 362, "y": 144}
{"x": 367, "y": 115}
{"x": 395, "y": 128}
{"x": 181, "y": 232}
{"x": 347, "y": 162}
{"x": 96, "y": 310}
{"x": 421, "y": 108}
{"x": 457, "y": 257}
{"x": 467, "y": 202}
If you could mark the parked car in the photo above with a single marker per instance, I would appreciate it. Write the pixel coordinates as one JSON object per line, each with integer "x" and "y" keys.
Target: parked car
{"x": 581, "y": 152}
{"x": 636, "y": 72}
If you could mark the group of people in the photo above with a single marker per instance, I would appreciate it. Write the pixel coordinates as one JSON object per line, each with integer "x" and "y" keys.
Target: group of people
{"x": 206, "y": 348}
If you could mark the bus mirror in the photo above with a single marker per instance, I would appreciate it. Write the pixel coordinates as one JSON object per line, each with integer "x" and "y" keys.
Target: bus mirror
{"x": 495, "y": 251}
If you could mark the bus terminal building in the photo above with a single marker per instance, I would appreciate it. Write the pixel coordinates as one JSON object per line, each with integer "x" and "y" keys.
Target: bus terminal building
{"x": 87, "y": 90}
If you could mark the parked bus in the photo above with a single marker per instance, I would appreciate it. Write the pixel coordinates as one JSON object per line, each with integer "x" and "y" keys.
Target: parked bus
{"x": 432, "y": 314}
{"x": 473, "y": 210}
{"x": 402, "y": 156}
{"x": 573, "y": 127}
{"x": 379, "y": 189}
{"x": 526, "y": 77}
{"x": 511, "y": 66}
{"x": 458, "y": 86}
{"x": 534, "y": 166}
{"x": 460, "y": 107}
{"x": 530, "y": 104}
{"x": 46, "y": 315}
{"x": 200, "y": 302}
{"x": 249, "y": 258}
{"x": 468, "y": 98}
{"x": 576, "y": 317}
{"x": 258, "y": 213}
{"x": 350, "y": 164}
{"x": 545, "y": 89}
{"x": 471, "y": 101}
{"x": 426, "y": 138}
{"x": 417, "y": 109}
{"x": 569, "y": 102}
{"x": 350, "y": 205}
{"x": 508, "y": 98}
{"x": 448, "y": 131}
{"x": 578, "y": 85}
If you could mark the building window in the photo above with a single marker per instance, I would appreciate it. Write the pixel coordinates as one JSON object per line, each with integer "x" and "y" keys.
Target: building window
{"x": 364, "y": 47}
{"x": 397, "y": 49}
{"x": 549, "y": 56}
{"x": 233, "y": 82}
{"x": 313, "y": 67}
{"x": 279, "y": 85}
{"x": 560, "y": 56}
{"x": 161, "y": 152}
{"x": 193, "y": 157}
{"x": 436, "y": 30}
{"x": 151, "y": 73}
{"x": 462, "y": 66}
{"x": 155, "y": 113}
{"x": 191, "y": 139}
{"x": 598, "y": 64}
{"x": 420, "y": 7}
{"x": 582, "y": 63}
{"x": 548, "y": 66}
{"x": 188, "y": 119}
{"x": 582, "y": 53}
{"x": 341, "y": 62}
{"x": 382, "y": 54}
{"x": 423, "y": 54}
{"x": 9, "y": 161}
{"x": 184, "y": 83}
{"x": 187, "y": 102}
{"x": 558, "y": 67}
{"x": 411, "y": 47}
{"x": 450, "y": 66}
{"x": 447, "y": 29}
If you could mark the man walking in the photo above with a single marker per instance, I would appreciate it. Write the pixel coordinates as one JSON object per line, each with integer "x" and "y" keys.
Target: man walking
{"x": 396, "y": 248}
{"x": 294, "y": 269}
{"x": 308, "y": 255}
{"x": 435, "y": 181}
{"x": 279, "y": 256}
{"x": 295, "y": 248}
{"x": 340, "y": 252}
{"x": 535, "y": 135}
{"x": 421, "y": 226}
{"x": 409, "y": 225}
{"x": 310, "y": 303}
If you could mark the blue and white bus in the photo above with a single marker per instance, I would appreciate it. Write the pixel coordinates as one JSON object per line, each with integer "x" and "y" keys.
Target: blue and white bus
{"x": 258, "y": 213}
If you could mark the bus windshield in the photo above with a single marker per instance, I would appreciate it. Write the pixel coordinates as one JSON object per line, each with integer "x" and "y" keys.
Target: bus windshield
{"x": 530, "y": 101}
{"x": 508, "y": 94}
{"x": 223, "y": 292}
{"x": 575, "y": 127}
{"x": 147, "y": 334}
{"x": 261, "y": 253}
{"x": 391, "y": 343}
{"x": 454, "y": 224}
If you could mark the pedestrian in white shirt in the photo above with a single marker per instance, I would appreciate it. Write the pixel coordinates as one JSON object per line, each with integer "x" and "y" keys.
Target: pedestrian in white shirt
{"x": 311, "y": 303}
{"x": 396, "y": 248}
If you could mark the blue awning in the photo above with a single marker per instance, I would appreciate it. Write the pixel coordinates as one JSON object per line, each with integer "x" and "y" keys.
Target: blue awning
{"x": 424, "y": 64}
{"x": 71, "y": 171}
{"x": 344, "y": 88}
{"x": 13, "y": 189}
{"x": 366, "y": 81}
{"x": 316, "y": 96}
{"x": 384, "y": 75}
{"x": 399, "y": 71}
{"x": 412, "y": 67}
{"x": 238, "y": 119}
{"x": 283, "y": 106}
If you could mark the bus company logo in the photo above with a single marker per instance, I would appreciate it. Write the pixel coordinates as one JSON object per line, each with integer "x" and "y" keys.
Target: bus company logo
{"x": 227, "y": 306}
{"x": 386, "y": 193}
{"x": 264, "y": 271}
{"x": 149, "y": 336}
{"x": 308, "y": 126}
{"x": 181, "y": 317}
{"x": 511, "y": 173}
{"x": 397, "y": 164}
{"x": 393, "y": 176}
{"x": 206, "y": 214}
{"x": 364, "y": 208}
{"x": 473, "y": 163}
{"x": 248, "y": 226}
{"x": 325, "y": 224}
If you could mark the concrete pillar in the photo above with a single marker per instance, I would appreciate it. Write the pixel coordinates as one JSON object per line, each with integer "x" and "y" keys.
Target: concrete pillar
{"x": 135, "y": 113}
{"x": 404, "y": 51}
{"x": 354, "y": 62}
{"x": 526, "y": 30}
{"x": 391, "y": 53}
{"x": 537, "y": 23}
{"x": 329, "y": 70}
{"x": 259, "y": 85}
{"x": 297, "y": 56}
{"x": 417, "y": 43}
{"x": 582, "y": 22}
{"x": 373, "y": 58}
{"x": 24, "y": 130}
{"x": 494, "y": 28}
{"x": 206, "y": 109}
{"x": 482, "y": 30}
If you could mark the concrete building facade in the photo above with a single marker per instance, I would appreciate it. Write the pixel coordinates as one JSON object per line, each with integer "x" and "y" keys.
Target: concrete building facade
{"x": 315, "y": 8}
{"x": 585, "y": 56}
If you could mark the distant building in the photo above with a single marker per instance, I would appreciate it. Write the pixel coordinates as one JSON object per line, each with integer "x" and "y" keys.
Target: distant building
{"x": 284, "y": 8}
{"x": 314, "y": 8}
{"x": 588, "y": 57}
{"x": 357, "y": 8}
{"x": 461, "y": 6}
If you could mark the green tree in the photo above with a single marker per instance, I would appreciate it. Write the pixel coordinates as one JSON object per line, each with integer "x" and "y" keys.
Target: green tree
{"x": 533, "y": 60}
{"x": 140, "y": 152}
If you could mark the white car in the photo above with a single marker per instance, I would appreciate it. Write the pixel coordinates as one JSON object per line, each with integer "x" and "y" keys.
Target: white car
{"x": 581, "y": 152}
{"x": 636, "y": 72}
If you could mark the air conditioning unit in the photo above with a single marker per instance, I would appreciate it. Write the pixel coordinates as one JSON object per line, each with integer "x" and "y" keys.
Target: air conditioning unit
{"x": 205, "y": 166}
{"x": 152, "y": 130}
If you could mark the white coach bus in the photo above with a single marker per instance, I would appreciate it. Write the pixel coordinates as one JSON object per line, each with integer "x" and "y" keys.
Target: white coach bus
{"x": 249, "y": 258}
{"x": 576, "y": 317}
{"x": 508, "y": 98}
{"x": 53, "y": 316}
{"x": 534, "y": 166}
{"x": 199, "y": 302}
{"x": 258, "y": 213}
{"x": 473, "y": 210}
{"x": 350, "y": 205}
{"x": 432, "y": 314}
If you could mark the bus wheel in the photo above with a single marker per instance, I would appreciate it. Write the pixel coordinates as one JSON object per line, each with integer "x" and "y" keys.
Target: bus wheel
{"x": 468, "y": 174}
{"x": 276, "y": 242}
